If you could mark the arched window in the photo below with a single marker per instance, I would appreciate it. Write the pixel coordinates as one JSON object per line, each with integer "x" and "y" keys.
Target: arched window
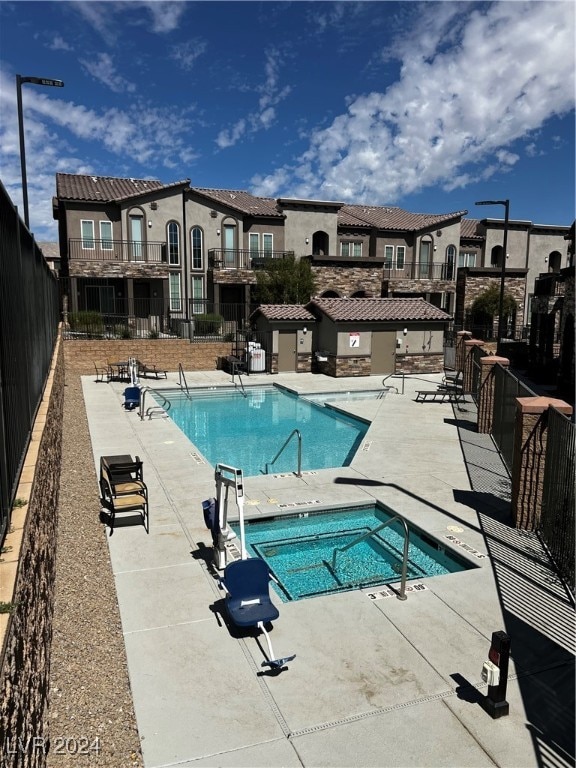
{"x": 229, "y": 234}
{"x": 197, "y": 247}
{"x": 425, "y": 260}
{"x": 136, "y": 234}
{"x": 450, "y": 261}
{"x": 173, "y": 239}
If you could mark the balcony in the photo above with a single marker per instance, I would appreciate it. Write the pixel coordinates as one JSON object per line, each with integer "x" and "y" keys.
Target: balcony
{"x": 420, "y": 271}
{"x": 116, "y": 251}
{"x": 240, "y": 259}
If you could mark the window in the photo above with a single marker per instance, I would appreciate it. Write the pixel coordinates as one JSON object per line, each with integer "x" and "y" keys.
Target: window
{"x": 136, "y": 225}
{"x": 229, "y": 245}
{"x": 106, "y": 235}
{"x": 254, "y": 243}
{"x": 197, "y": 247}
{"x": 175, "y": 299}
{"x": 351, "y": 250}
{"x": 197, "y": 295}
{"x": 449, "y": 266}
{"x": 87, "y": 229}
{"x": 466, "y": 259}
{"x": 173, "y": 244}
{"x": 267, "y": 243}
{"x": 100, "y": 298}
{"x": 388, "y": 256}
{"x": 400, "y": 256}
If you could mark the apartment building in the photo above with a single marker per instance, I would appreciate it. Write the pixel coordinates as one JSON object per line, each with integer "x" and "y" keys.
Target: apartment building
{"x": 162, "y": 254}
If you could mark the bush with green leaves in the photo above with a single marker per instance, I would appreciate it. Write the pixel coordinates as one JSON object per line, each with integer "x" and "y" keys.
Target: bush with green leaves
{"x": 284, "y": 281}
{"x": 208, "y": 324}
{"x": 87, "y": 322}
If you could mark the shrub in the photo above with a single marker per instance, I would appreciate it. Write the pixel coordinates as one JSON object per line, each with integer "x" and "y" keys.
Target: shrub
{"x": 86, "y": 322}
{"x": 207, "y": 325}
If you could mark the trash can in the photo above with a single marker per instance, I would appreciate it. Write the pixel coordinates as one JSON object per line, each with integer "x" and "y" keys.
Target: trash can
{"x": 257, "y": 360}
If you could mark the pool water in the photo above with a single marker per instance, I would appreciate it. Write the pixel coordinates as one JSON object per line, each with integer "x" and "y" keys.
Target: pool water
{"x": 299, "y": 550}
{"x": 248, "y": 432}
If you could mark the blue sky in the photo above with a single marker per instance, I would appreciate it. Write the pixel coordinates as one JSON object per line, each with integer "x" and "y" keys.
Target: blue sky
{"x": 429, "y": 106}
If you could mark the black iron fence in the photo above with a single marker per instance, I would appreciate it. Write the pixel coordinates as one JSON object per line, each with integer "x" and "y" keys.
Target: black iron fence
{"x": 29, "y": 316}
{"x": 506, "y": 389}
{"x": 232, "y": 258}
{"x": 155, "y": 318}
{"x": 91, "y": 249}
{"x": 557, "y": 517}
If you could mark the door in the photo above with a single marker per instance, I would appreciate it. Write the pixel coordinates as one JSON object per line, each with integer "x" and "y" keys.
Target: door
{"x": 141, "y": 299}
{"x": 383, "y": 352}
{"x": 136, "y": 237}
{"x": 286, "y": 351}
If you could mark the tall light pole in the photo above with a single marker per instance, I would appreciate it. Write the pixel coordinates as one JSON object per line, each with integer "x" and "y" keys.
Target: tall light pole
{"x": 36, "y": 81}
{"x": 506, "y": 204}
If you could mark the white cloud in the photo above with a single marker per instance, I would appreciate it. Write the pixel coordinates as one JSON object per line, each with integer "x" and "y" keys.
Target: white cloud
{"x": 185, "y": 54}
{"x": 59, "y": 44}
{"x": 162, "y": 17}
{"x": 102, "y": 68}
{"x": 473, "y": 80}
{"x": 271, "y": 94}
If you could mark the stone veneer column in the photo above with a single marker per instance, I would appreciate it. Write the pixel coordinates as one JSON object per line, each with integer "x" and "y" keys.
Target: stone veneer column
{"x": 486, "y": 391}
{"x": 530, "y": 436}
{"x": 468, "y": 375}
{"x": 462, "y": 336}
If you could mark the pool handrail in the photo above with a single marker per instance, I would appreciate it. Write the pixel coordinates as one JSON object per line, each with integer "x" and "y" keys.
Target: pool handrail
{"x": 236, "y": 372}
{"x": 290, "y": 436}
{"x": 366, "y": 534}
{"x": 164, "y": 408}
{"x": 182, "y": 378}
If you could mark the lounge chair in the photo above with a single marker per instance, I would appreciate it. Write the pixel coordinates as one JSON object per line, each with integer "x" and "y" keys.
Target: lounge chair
{"x": 102, "y": 372}
{"x": 151, "y": 370}
{"x": 248, "y": 601}
{"x": 122, "y": 487}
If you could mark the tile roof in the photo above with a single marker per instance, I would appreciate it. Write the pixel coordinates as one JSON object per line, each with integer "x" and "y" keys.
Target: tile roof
{"x": 51, "y": 250}
{"x": 355, "y": 310}
{"x": 242, "y": 201}
{"x": 392, "y": 218}
{"x": 470, "y": 229}
{"x": 284, "y": 312}
{"x": 71, "y": 186}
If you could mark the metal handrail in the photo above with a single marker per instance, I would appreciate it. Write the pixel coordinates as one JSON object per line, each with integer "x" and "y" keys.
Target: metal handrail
{"x": 164, "y": 408}
{"x": 236, "y": 372}
{"x": 182, "y": 377}
{"x": 402, "y": 375}
{"x": 290, "y": 436}
{"x": 402, "y": 595}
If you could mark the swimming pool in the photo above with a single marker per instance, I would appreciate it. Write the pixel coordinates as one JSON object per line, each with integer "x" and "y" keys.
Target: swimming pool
{"x": 303, "y": 551}
{"x": 248, "y": 431}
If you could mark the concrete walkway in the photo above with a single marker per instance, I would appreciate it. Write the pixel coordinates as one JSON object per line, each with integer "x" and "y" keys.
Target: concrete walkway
{"x": 375, "y": 682}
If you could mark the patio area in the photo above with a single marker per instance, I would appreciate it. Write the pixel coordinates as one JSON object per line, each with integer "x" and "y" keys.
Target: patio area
{"x": 375, "y": 682}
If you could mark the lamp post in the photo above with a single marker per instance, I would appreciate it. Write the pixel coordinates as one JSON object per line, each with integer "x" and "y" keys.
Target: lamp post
{"x": 506, "y": 204}
{"x": 36, "y": 81}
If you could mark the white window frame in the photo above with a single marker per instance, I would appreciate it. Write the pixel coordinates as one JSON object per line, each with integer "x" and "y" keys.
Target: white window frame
{"x": 106, "y": 243}
{"x": 352, "y": 246}
{"x": 400, "y": 256}
{"x": 267, "y": 243}
{"x": 467, "y": 258}
{"x": 194, "y": 266}
{"x": 254, "y": 237}
{"x": 389, "y": 260}
{"x": 175, "y": 289}
{"x": 197, "y": 309}
{"x": 169, "y": 226}
{"x": 88, "y": 243}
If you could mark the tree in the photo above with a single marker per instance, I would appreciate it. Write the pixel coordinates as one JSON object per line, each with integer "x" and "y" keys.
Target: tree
{"x": 486, "y": 306}
{"x": 284, "y": 281}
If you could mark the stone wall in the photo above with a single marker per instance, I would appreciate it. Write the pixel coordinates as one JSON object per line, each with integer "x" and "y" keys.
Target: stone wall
{"x": 348, "y": 279}
{"x": 27, "y": 569}
{"x": 470, "y": 286}
{"x": 81, "y": 355}
{"x": 420, "y": 363}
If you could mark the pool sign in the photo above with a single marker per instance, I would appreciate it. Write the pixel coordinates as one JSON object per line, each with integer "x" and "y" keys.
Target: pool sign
{"x": 355, "y": 339}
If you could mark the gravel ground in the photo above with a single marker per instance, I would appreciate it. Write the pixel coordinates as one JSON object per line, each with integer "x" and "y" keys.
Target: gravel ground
{"x": 90, "y": 716}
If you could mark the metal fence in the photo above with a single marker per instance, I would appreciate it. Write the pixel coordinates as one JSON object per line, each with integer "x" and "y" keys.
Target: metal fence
{"x": 557, "y": 516}
{"x": 29, "y": 316}
{"x": 506, "y": 389}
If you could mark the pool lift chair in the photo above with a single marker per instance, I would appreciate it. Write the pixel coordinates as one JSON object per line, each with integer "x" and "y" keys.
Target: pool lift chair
{"x": 245, "y": 581}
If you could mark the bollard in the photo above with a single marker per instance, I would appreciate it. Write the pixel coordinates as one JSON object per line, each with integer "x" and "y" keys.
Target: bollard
{"x": 495, "y": 673}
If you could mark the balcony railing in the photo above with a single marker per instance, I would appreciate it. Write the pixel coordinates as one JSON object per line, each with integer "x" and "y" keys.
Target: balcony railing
{"x": 116, "y": 250}
{"x": 240, "y": 259}
{"x": 420, "y": 271}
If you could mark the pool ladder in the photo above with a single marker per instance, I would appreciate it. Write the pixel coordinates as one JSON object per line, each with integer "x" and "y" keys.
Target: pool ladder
{"x": 290, "y": 436}
{"x": 182, "y": 383}
{"x": 163, "y": 408}
{"x": 402, "y": 595}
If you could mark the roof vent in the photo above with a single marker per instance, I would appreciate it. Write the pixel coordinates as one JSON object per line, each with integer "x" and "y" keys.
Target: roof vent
{"x": 94, "y": 179}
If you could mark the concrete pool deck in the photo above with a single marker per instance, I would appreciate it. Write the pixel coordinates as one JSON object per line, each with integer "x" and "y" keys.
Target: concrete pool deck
{"x": 375, "y": 682}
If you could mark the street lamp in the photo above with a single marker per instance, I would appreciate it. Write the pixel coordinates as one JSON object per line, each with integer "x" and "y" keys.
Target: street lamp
{"x": 36, "y": 81}
{"x": 506, "y": 204}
